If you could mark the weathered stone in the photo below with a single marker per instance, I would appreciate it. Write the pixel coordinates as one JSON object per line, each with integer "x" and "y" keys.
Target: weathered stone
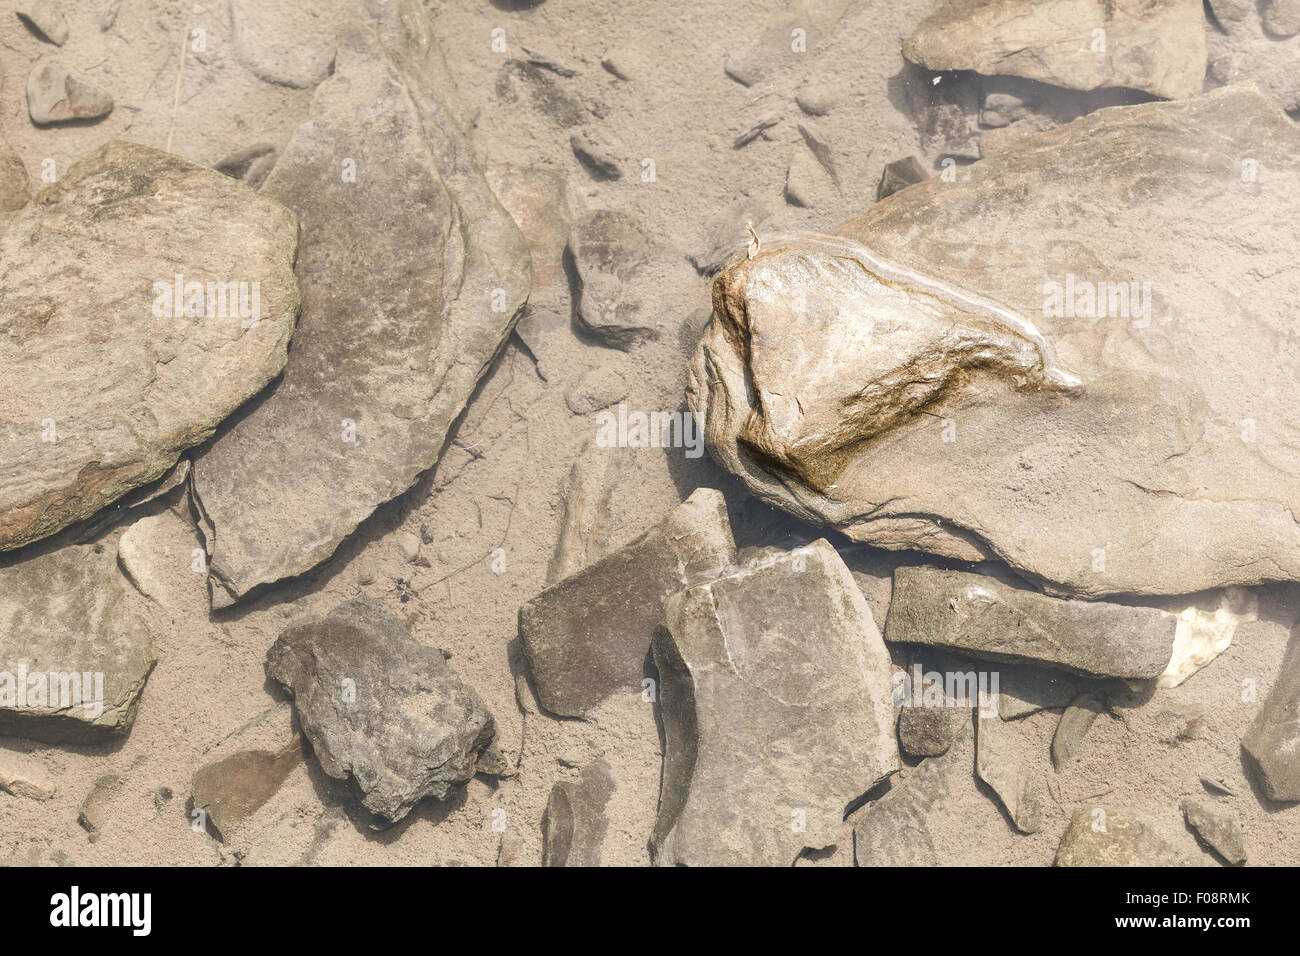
{"x": 784, "y": 37}
{"x": 1002, "y": 109}
{"x": 775, "y": 698}
{"x": 549, "y": 339}
{"x": 380, "y": 709}
{"x": 1017, "y": 787}
{"x": 46, "y": 19}
{"x": 63, "y": 616}
{"x": 987, "y": 618}
{"x": 1282, "y": 17}
{"x": 94, "y": 812}
{"x": 587, "y": 637}
{"x": 806, "y": 182}
{"x": 250, "y": 166}
{"x": 1157, "y": 46}
{"x": 926, "y": 731}
{"x": 895, "y": 830}
{"x": 55, "y": 97}
{"x": 1251, "y": 51}
{"x": 624, "y": 274}
{"x": 831, "y": 368}
{"x": 900, "y": 174}
{"x": 817, "y": 99}
{"x": 598, "y": 158}
{"x": 157, "y": 556}
{"x": 1204, "y": 635}
{"x": 1073, "y": 727}
{"x": 289, "y": 42}
{"x": 574, "y": 824}
{"x": 246, "y": 770}
{"x": 409, "y": 545}
{"x": 101, "y": 394}
{"x": 394, "y": 339}
{"x": 536, "y": 198}
{"x": 23, "y": 776}
{"x": 597, "y": 388}
{"x": 1219, "y": 830}
{"x": 1113, "y": 836}
{"x": 587, "y": 528}
{"x": 1272, "y": 742}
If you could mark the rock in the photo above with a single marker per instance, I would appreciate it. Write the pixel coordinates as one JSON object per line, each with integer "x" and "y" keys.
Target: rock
{"x": 55, "y": 97}
{"x": 817, "y": 99}
{"x": 586, "y": 638}
{"x": 1083, "y": 493}
{"x": 1113, "y": 836}
{"x": 1157, "y": 46}
{"x": 1272, "y": 741}
{"x": 1002, "y": 109}
{"x": 624, "y": 275}
{"x": 157, "y": 555}
{"x": 900, "y": 174}
{"x": 391, "y": 343}
{"x": 23, "y": 776}
{"x": 1251, "y": 51}
{"x": 536, "y": 198}
{"x": 775, "y": 700}
{"x": 287, "y": 42}
{"x": 409, "y": 545}
{"x": 76, "y": 676}
{"x": 246, "y": 770}
{"x": 93, "y": 815}
{"x": 926, "y": 731}
{"x": 783, "y": 38}
{"x": 250, "y": 166}
{"x": 728, "y": 235}
{"x": 989, "y": 619}
{"x": 574, "y": 824}
{"x": 45, "y": 19}
{"x": 901, "y": 828}
{"x": 599, "y": 160}
{"x": 101, "y": 395}
{"x": 108, "y": 15}
{"x": 1018, "y": 789}
{"x": 1027, "y": 690}
{"x": 1220, "y": 831}
{"x": 1282, "y": 17}
{"x": 1073, "y": 727}
{"x": 586, "y": 532}
{"x": 1204, "y": 635}
{"x": 1217, "y": 786}
{"x": 381, "y": 710}
{"x": 623, "y": 62}
{"x": 806, "y": 183}
{"x": 598, "y": 388}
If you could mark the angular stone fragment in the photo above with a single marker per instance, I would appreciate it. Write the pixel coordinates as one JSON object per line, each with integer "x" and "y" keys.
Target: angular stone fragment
{"x": 900, "y": 174}
{"x": 1157, "y": 46}
{"x": 897, "y": 829}
{"x": 53, "y": 96}
{"x": 598, "y": 388}
{"x": 536, "y": 198}
{"x": 587, "y": 528}
{"x": 1217, "y": 828}
{"x": 412, "y": 277}
{"x": 380, "y": 709}
{"x": 250, "y": 165}
{"x": 574, "y": 824}
{"x": 1027, "y": 690}
{"x": 782, "y": 38}
{"x": 623, "y": 275}
{"x": 157, "y": 556}
{"x": 102, "y": 383}
{"x": 1073, "y": 727}
{"x": 289, "y": 42}
{"x": 926, "y": 731}
{"x": 987, "y": 618}
{"x": 1114, "y": 836}
{"x": 1272, "y": 742}
{"x": 246, "y": 770}
{"x": 1203, "y": 635}
{"x": 587, "y": 637}
{"x": 93, "y": 814}
{"x": 46, "y": 19}
{"x": 775, "y": 698}
{"x": 1087, "y": 451}
{"x": 85, "y": 656}
{"x": 1019, "y": 790}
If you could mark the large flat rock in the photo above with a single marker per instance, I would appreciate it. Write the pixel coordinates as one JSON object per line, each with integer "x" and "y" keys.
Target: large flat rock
{"x": 102, "y": 383}
{"x": 1157, "y": 46}
{"x": 73, "y": 657}
{"x": 777, "y": 711}
{"x": 412, "y": 277}
{"x": 1141, "y": 448}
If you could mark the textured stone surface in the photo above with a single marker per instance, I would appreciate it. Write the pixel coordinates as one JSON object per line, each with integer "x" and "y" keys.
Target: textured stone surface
{"x": 98, "y": 395}
{"x": 897, "y": 829}
{"x": 1017, "y": 787}
{"x": 927, "y": 731}
{"x": 246, "y": 770}
{"x": 574, "y": 823}
{"x": 1089, "y": 452}
{"x": 1282, "y": 17}
{"x": 1157, "y": 46}
{"x": 412, "y": 278}
{"x": 157, "y": 556}
{"x": 46, "y": 19}
{"x": 1272, "y": 741}
{"x": 380, "y": 709}
{"x": 1114, "y": 836}
{"x": 1073, "y": 726}
{"x": 65, "y": 613}
{"x": 1217, "y": 828}
{"x": 1027, "y": 690}
{"x": 586, "y": 637}
{"x": 23, "y": 776}
{"x": 987, "y": 618}
{"x": 53, "y": 96}
{"x": 900, "y": 174}
{"x": 1248, "y": 49}
{"x": 288, "y": 42}
{"x": 776, "y": 707}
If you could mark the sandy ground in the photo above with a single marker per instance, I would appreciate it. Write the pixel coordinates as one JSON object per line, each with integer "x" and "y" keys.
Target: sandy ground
{"x": 503, "y": 480}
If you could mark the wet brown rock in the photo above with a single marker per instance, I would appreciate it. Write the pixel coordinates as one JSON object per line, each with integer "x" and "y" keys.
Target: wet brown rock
{"x": 247, "y": 770}
{"x": 53, "y": 96}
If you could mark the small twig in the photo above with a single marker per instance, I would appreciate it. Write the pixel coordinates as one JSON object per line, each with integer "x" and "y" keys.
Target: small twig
{"x": 176, "y": 93}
